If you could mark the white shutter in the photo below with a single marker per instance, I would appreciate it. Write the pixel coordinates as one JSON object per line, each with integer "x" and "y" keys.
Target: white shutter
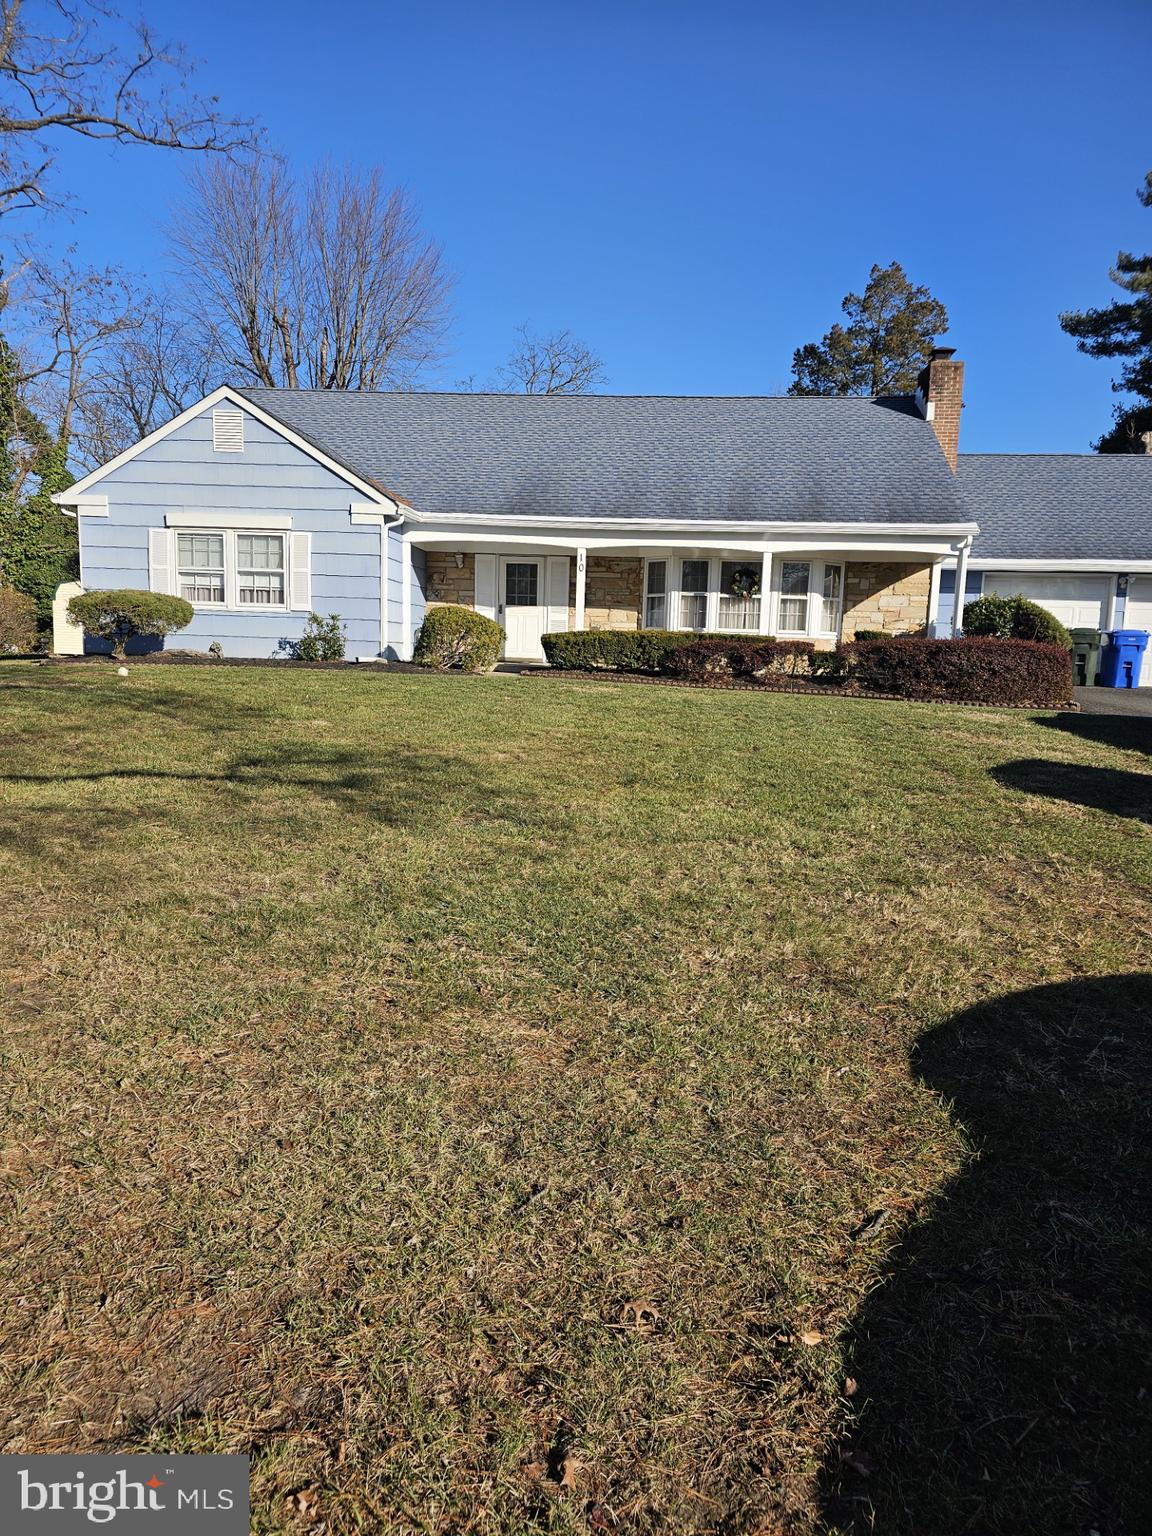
{"x": 557, "y": 593}
{"x": 228, "y": 431}
{"x": 301, "y": 572}
{"x": 161, "y": 562}
{"x": 486, "y": 585}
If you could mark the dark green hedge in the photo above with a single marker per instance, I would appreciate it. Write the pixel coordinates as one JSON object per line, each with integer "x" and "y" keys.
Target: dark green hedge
{"x": 1014, "y": 618}
{"x": 619, "y": 650}
{"x": 126, "y": 614}
{"x": 456, "y": 637}
{"x": 972, "y": 670}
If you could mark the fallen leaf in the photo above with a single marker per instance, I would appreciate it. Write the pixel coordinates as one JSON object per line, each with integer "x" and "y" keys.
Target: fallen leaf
{"x": 305, "y": 1503}
{"x": 859, "y": 1461}
{"x": 641, "y": 1315}
{"x": 849, "y": 1386}
{"x": 568, "y": 1469}
{"x": 811, "y": 1337}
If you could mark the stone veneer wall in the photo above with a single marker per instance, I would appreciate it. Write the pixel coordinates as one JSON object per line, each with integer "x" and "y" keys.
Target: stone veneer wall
{"x": 613, "y": 592}
{"x": 886, "y": 595}
{"x": 446, "y": 582}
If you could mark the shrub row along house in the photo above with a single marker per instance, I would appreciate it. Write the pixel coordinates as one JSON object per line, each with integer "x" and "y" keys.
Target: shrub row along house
{"x": 805, "y": 518}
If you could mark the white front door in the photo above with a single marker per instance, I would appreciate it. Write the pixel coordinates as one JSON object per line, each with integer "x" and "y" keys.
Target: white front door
{"x": 522, "y": 610}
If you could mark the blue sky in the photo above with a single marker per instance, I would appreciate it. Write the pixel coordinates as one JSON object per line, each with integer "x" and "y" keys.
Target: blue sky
{"x": 692, "y": 188}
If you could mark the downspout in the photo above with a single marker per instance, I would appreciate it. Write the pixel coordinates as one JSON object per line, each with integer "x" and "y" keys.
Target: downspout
{"x": 385, "y": 530}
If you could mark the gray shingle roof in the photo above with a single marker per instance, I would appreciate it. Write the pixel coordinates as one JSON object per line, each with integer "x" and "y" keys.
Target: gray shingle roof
{"x": 756, "y": 459}
{"x": 1059, "y": 506}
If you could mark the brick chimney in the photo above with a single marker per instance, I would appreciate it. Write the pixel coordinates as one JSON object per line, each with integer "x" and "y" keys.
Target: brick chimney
{"x": 940, "y": 396}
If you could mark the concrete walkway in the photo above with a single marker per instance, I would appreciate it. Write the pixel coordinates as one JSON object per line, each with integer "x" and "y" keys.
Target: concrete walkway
{"x": 1114, "y": 701}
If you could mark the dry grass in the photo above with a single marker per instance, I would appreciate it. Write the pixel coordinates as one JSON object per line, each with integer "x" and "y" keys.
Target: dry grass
{"x": 467, "y": 1096}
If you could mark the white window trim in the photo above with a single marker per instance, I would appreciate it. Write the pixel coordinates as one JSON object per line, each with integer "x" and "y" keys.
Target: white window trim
{"x": 816, "y": 569}
{"x": 232, "y": 603}
{"x": 673, "y": 591}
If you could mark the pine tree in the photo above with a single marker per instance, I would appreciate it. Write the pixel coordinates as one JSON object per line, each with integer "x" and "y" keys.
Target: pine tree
{"x": 1124, "y": 329}
{"x": 888, "y": 339}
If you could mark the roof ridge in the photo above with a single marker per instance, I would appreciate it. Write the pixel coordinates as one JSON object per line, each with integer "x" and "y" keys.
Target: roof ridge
{"x": 497, "y": 394}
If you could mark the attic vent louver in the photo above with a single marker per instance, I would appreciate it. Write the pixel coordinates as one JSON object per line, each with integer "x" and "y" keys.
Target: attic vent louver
{"x": 228, "y": 431}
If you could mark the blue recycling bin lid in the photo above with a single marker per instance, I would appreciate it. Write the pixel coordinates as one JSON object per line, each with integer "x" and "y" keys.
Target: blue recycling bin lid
{"x": 1137, "y": 638}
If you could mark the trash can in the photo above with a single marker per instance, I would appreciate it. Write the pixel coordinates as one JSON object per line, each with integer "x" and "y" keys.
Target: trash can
{"x": 1085, "y": 656}
{"x": 1121, "y": 659}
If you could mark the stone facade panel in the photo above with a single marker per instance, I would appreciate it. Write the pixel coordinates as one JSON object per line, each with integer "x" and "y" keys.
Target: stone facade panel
{"x": 886, "y": 595}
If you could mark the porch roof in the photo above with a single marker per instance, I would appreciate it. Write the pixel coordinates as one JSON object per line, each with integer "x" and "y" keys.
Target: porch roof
{"x": 745, "y": 459}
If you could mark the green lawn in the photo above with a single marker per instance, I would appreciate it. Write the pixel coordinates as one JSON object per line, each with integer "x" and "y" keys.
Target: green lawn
{"x": 495, "y": 1104}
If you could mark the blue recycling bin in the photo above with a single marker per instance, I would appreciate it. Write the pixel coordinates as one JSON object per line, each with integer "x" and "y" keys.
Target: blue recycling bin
{"x": 1122, "y": 658}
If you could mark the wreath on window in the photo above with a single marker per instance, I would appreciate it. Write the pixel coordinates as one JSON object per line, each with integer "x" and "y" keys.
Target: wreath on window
{"x": 745, "y": 581}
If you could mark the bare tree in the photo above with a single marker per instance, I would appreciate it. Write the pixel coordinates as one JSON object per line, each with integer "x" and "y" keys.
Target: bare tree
{"x": 62, "y": 69}
{"x": 558, "y": 364}
{"x": 148, "y": 373}
{"x": 326, "y": 285}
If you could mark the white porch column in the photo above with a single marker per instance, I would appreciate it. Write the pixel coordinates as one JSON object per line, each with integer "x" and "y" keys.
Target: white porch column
{"x": 581, "y": 579}
{"x": 961, "y": 583}
{"x": 765, "y": 592}
{"x": 934, "y": 593}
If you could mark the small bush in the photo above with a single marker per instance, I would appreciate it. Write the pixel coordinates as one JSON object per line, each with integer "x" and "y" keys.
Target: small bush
{"x": 618, "y": 650}
{"x": 973, "y": 669}
{"x": 872, "y": 634}
{"x": 322, "y": 640}
{"x": 121, "y": 616}
{"x": 451, "y": 636}
{"x": 18, "y": 626}
{"x": 735, "y": 656}
{"x": 1014, "y": 618}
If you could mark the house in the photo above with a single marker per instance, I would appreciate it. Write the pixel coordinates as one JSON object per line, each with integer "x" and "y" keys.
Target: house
{"x": 1072, "y": 531}
{"x": 813, "y": 517}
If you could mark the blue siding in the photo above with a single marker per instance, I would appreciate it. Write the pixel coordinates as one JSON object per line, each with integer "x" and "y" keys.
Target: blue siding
{"x": 973, "y": 588}
{"x": 182, "y": 473}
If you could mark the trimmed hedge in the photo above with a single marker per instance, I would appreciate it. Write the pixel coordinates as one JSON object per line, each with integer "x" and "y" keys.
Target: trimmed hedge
{"x": 1014, "y": 618}
{"x": 124, "y": 615}
{"x": 739, "y": 656}
{"x": 974, "y": 669}
{"x": 619, "y": 650}
{"x": 452, "y": 636}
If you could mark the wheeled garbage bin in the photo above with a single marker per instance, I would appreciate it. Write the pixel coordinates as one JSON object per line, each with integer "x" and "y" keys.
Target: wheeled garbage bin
{"x": 1122, "y": 658}
{"x": 1085, "y": 656}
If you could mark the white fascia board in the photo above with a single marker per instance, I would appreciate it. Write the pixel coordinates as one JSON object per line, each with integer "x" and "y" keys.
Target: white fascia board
{"x": 764, "y": 529}
{"x": 367, "y": 513}
{"x": 1072, "y": 567}
{"x": 83, "y": 506}
{"x": 79, "y": 491}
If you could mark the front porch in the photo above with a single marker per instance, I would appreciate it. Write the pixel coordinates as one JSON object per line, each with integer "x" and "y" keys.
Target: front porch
{"x": 807, "y": 592}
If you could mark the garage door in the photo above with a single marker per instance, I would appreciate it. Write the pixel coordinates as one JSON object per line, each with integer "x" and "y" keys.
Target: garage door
{"x": 1074, "y": 600}
{"x": 1138, "y": 615}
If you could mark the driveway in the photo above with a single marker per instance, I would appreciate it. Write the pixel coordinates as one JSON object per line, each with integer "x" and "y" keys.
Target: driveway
{"x": 1114, "y": 701}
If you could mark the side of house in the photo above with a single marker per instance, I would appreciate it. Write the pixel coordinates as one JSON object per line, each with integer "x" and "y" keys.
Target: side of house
{"x": 255, "y": 527}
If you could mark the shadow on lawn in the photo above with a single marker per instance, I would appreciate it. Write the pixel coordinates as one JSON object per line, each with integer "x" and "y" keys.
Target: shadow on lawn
{"x": 396, "y": 788}
{"x": 1130, "y": 733}
{"x": 1116, "y": 790}
{"x": 1002, "y": 1376}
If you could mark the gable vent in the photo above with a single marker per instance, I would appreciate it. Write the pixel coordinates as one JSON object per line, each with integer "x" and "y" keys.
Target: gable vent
{"x": 228, "y": 431}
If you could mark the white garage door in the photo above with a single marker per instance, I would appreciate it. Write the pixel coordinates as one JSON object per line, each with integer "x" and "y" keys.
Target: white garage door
{"x": 1074, "y": 600}
{"x": 1138, "y": 615}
